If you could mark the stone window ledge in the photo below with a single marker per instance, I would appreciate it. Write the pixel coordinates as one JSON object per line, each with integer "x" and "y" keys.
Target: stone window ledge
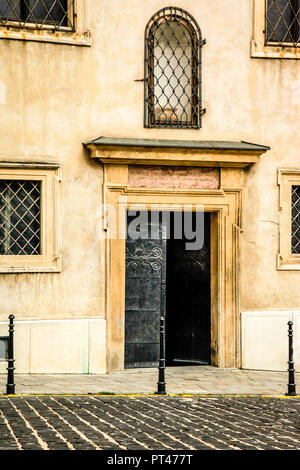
{"x": 58, "y": 37}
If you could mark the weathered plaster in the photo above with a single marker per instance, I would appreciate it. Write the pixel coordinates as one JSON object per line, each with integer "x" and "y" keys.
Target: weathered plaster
{"x": 58, "y": 96}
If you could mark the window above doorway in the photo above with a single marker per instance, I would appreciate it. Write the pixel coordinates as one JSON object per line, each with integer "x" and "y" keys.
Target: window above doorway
{"x": 173, "y": 43}
{"x": 59, "y": 21}
{"x": 276, "y": 29}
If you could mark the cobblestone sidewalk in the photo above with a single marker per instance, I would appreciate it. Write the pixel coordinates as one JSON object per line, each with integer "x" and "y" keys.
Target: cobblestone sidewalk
{"x": 135, "y": 423}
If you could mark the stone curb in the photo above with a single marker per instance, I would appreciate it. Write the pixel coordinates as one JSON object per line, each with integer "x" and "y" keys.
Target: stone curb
{"x": 146, "y": 395}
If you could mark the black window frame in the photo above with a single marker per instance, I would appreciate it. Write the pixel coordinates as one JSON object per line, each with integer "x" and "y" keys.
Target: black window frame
{"x": 181, "y": 16}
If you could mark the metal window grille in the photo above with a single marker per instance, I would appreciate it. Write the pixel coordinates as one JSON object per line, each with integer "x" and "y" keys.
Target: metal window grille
{"x": 20, "y": 212}
{"x": 282, "y": 23}
{"x": 173, "y": 44}
{"x": 296, "y": 220}
{"x": 38, "y": 14}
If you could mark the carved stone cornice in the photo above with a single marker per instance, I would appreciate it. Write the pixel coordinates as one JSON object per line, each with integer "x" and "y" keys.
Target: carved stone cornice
{"x": 175, "y": 152}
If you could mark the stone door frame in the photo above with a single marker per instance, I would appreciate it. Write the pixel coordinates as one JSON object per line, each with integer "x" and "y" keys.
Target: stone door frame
{"x": 225, "y": 207}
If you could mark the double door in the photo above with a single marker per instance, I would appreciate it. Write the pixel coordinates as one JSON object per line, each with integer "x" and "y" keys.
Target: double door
{"x": 164, "y": 277}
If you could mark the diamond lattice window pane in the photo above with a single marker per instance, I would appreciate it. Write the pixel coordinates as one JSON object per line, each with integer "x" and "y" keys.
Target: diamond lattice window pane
{"x": 20, "y": 212}
{"x": 173, "y": 66}
{"x": 38, "y": 13}
{"x": 296, "y": 220}
{"x": 172, "y": 72}
{"x": 283, "y": 22}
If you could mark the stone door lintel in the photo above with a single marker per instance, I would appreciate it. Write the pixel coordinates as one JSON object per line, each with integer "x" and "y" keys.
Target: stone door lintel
{"x": 225, "y": 208}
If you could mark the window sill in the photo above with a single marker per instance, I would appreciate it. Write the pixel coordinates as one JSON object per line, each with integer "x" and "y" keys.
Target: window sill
{"x": 44, "y": 35}
{"x": 54, "y": 267}
{"x": 259, "y": 50}
{"x": 163, "y": 125}
{"x": 290, "y": 263}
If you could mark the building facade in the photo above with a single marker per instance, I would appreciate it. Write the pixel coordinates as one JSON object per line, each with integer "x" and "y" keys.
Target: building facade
{"x": 107, "y": 106}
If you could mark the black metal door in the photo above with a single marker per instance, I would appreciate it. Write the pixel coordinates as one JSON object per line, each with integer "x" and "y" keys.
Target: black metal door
{"x": 188, "y": 322}
{"x": 145, "y": 272}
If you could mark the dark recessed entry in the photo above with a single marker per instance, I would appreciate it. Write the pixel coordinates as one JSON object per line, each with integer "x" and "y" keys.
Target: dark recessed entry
{"x": 162, "y": 257}
{"x": 188, "y": 327}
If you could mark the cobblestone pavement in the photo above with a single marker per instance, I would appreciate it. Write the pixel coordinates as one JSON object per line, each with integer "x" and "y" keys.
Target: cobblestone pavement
{"x": 136, "y": 423}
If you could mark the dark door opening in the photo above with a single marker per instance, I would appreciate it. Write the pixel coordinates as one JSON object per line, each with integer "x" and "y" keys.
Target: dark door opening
{"x": 150, "y": 262}
{"x": 188, "y": 325}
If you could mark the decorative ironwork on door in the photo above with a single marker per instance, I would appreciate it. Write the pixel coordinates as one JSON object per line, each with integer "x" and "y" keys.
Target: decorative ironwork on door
{"x": 145, "y": 273}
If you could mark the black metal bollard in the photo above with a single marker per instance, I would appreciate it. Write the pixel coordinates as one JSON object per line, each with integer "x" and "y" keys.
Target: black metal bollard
{"x": 291, "y": 369}
{"x": 161, "y": 385}
{"x": 10, "y": 386}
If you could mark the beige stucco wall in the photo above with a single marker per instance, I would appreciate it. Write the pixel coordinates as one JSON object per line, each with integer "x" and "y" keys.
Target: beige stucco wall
{"x": 264, "y": 339}
{"x": 54, "y": 97}
{"x": 58, "y": 346}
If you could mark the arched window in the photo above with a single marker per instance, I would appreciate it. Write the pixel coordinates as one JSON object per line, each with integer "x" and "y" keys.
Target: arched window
{"x": 173, "y": 45}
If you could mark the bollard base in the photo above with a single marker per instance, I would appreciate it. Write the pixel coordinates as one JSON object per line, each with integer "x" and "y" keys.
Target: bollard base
{"x": 10, "y": 390}
{"x": 291, "y": 393}
{"x": 161, "y": 389}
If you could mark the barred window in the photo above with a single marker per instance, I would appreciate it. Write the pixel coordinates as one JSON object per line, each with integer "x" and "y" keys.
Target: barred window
{"x": 296, "y": 220}
{"x": 20, "y": 210}
{"x": 173, "y": 45}
{"x": 58, "y": 14}
{"x": 283, "y": 22}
